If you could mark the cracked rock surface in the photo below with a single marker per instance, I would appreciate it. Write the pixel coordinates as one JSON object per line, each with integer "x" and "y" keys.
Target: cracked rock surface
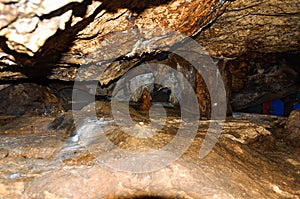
{"x": 249, "y": 160}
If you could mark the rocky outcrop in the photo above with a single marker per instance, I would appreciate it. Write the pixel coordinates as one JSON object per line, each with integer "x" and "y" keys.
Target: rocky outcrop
{"x": 28, "y": 25}
{"x": 293, "y": 128}
{"x": 29, "y": 99}
{"x": 40, "y": 41}
{"x": 55, "y": 38}
{"x": 44, "y": 154}
{"x": 261, "y": 26}
{"x": 40, "y": 159}
{"x": 83, "y": 32}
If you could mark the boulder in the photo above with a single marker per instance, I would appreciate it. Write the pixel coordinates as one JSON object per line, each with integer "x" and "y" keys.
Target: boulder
{"x": 293, "y": 128}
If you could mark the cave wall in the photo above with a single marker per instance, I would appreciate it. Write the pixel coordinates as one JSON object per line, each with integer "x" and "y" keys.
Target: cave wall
{"x": 45, "y": 41}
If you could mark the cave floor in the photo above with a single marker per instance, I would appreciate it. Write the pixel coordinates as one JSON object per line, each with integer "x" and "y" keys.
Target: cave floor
{"x": 42, "y": 157}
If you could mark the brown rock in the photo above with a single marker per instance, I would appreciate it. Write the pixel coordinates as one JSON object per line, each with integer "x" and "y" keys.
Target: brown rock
{"x": 28, "y": 34}
{"x": 111, "y": 37}
{"x": 49, "y": 164}
{"x": 27, "y": 98}
{"x": 90, "y": 33}
{"x": 293, "y": 128}
{"x": 203, "y": 97}
{"x": 145, "y": 100}
{"x": 261, "y": 26}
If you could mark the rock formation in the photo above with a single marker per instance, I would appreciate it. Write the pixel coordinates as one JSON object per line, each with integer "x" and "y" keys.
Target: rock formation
{"x": 46, "y": 45}
{"x": 293, "y": 128}
{"x": 45, "y": 40}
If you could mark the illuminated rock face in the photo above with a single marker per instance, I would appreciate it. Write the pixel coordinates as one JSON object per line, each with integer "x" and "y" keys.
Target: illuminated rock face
{"x": 27, "y": 25}
{"x": 43, "y": 40}
{"x": 41, "y": 156}
{"x": 255, "y": 45}
{"x": 55, "y": 36}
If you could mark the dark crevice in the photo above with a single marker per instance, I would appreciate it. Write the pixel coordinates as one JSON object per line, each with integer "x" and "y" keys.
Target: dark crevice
{"x": 136, "y": 6}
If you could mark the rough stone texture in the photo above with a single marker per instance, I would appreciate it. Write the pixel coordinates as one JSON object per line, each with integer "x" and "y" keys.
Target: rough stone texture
{"x": 95, "y": 31}
{"x": 26, "y": 26}
{"x": 247, "y": 162}
{"x": 26, "y": 98}
{"x": 146, "y": 100}
{"x": 109, "y": 38}
{"x": 104, "y": 31}
{"x": 261, "y": 26}
{"x": 42, "y": 156}
{"x": 293, "y": 128}
{"x": 258, "y": 78}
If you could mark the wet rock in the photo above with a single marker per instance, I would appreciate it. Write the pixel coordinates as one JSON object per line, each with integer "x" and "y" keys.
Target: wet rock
{"x": 293, "y": 128}
{"x": 48, "y": 162}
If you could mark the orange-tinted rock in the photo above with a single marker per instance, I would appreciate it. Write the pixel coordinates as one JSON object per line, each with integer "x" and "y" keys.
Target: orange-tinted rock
{"x": 145, "y": 100}
{"x": 293, "y": 128}
{"x": 49, "y": 163}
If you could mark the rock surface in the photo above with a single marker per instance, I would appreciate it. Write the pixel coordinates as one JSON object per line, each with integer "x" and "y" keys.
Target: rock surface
{"x": 45, "y": 162}
{"x": 43, "y": 154}
{"x": 259, "y": 78}
{"x": 293, "y": 128}
{"x": 31, "y": 99}
{"x": 260, "y": 26}
{"x": 94, "y": 31}
{"x": 41, "y": 42}
{"x": 104, "y": 31}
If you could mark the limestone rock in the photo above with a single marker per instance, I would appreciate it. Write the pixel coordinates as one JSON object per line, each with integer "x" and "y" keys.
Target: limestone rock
{"x": 293, "y": 128}
{"x": 63, "y": 35}
{"x": 41, "y": 41}
{"x": 19, "y": 99}
{"x": 258, "y": 78}
{"x": 261, "y": 26}
{"x": 47, "y": 162}
{"x": 26, "y": 24}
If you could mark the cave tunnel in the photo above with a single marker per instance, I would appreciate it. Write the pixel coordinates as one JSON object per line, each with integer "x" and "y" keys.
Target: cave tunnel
{"x": 139, "y": 99}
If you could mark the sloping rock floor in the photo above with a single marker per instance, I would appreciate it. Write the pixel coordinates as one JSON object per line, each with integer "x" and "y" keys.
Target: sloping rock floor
{"x": 40, "y": 157}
